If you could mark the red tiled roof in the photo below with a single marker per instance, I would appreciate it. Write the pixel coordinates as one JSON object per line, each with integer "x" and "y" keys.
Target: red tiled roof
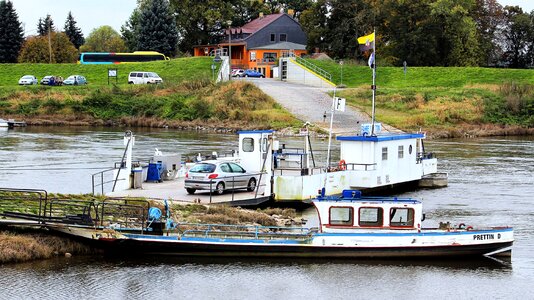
{"x": 259, "y": 23}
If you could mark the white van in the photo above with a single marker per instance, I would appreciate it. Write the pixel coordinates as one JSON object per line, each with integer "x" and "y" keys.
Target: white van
{"x": 144, "y": 78}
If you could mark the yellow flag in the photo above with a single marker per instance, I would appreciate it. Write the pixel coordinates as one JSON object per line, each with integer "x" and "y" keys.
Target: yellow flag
{"x": 366, "y": 39}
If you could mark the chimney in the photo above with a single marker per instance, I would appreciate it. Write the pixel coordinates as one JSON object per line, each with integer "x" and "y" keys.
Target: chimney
{"x": 261, "y": 15}
{"x": 291, "y": 12}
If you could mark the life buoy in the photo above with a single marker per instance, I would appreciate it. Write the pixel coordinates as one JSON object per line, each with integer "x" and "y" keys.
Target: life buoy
{"x": 342, "y": 165}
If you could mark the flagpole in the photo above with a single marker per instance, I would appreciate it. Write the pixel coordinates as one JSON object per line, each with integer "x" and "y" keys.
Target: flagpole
{"x": 323, "y": 191}
{"x": 374, "y": 85}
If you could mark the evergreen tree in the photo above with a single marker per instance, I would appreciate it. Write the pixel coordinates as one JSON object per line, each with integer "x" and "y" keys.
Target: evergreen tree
{"x": 44, "y": 25}
{"x": 74, "y": 33}
{"x": 11, "y": 35}
{"x": 157, "y": 28}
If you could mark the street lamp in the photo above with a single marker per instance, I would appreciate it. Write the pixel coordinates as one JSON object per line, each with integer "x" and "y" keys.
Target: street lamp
{"x": 229, "y": 22}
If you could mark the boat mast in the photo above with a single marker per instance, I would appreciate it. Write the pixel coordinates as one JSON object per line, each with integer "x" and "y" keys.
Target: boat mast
{"x": 373, "y": 87}
{"x": 329, "y": 143}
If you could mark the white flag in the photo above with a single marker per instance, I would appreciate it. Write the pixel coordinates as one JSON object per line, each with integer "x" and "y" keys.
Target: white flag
{"x": 371, "y": 60}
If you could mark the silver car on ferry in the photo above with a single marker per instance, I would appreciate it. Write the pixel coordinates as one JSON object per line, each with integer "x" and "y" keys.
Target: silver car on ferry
{"x": 218, "y": 177}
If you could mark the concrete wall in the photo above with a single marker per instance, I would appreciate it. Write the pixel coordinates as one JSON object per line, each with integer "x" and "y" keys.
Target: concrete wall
{"x": 297, "y": 73}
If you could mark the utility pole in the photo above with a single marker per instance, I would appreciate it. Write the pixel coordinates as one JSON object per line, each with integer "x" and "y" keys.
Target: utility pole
{"x": 49, "y": 41}
{"x": 229, "y": 22}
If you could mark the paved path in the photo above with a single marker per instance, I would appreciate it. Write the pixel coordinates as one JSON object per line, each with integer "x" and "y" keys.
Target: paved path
{"x": 309, "y": 103}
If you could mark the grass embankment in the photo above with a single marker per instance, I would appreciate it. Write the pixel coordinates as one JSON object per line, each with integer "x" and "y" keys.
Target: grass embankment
{"x": 187, "y": 99}
{"x": 453, "y": 100}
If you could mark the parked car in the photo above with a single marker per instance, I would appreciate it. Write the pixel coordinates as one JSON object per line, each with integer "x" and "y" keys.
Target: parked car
{"x": 238, "y": 72}
{"x": 52, "y": 80}
{"x": 219, "y": 177}
{"x": 138, "y": 77}
{"x": 253, "y": 73}
{"x": 75, "y": 80}
{"x": 28, "y": 80}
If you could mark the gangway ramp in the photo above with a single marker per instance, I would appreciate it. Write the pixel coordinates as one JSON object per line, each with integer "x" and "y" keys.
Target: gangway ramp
{"x": 300, "y": 71}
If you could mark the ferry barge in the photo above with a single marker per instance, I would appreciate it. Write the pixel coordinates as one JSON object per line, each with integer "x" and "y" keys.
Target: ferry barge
{"x": 350, "y": 226}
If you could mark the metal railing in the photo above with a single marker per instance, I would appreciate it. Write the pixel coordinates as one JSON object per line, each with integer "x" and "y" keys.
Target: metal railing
{"x": 232, "y": 180}
{"x": 244, "y": 231}
{"x": 314, "y": 68}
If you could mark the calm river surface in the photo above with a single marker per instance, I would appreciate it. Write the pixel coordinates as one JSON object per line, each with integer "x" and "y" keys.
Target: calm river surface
{"x": 491, "y": 182}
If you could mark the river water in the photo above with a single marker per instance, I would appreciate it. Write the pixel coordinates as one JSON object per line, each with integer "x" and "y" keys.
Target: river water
{"x": 491, "y": 182}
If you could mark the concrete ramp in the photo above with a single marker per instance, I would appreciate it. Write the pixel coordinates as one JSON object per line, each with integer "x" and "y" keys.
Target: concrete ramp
{"x": 297, "y": 70}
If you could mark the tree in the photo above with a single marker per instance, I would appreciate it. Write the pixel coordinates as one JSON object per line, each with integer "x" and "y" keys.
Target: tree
{"x": 11, "y": 34}
{"x": 314, "y": 22}
{"x": 518, "y": 30}
{"x": 489, "y": 18}
{"x": 103, "y": 39}
{"x": 73, "y": 32}
{"x": 130, "y": 29}
{"x": 157, "y": 28}
{"x": 36, "y": 50}
{"x": 45, "y": 24}
{"x": 457, "y": 41}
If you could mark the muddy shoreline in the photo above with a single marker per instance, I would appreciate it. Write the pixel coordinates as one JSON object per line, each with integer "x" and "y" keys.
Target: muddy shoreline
{"x": 460, "y": 131}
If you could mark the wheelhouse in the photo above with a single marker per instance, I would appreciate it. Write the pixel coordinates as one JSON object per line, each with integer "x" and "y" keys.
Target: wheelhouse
{"x": 351, "y": 211}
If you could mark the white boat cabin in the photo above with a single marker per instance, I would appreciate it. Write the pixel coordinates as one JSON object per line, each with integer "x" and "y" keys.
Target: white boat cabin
{"x": 351, "y": 212}
{"x": 366, "y": 162}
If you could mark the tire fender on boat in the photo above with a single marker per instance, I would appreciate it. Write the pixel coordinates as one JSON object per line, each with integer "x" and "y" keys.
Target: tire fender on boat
{"x": 461, "y": 226}
{"x": 468, "y": 228}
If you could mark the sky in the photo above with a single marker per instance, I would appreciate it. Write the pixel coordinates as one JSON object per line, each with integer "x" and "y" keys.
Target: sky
{"x": 90, "y": 14}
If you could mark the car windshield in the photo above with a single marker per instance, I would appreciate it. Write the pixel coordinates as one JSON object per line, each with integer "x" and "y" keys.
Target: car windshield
{"x": 47, "y": 77}
{"x": 203, "y": 168}
{"x": 153, "y": 75}
{"x": 27, "y": 77}
{"x": 71, "y": 77}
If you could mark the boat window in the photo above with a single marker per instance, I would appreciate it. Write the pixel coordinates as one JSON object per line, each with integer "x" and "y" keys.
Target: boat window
{"x": 248, "y": 145}
{"x": 341, "y": 215}
{"x": 264, "y": 145}
{"x": 401, "y": 151}
{"x": 371, "y": 216}
{"x": 410, "y": 149}
{"x": 384, "y": 153}
{"x": 401, "y": 217}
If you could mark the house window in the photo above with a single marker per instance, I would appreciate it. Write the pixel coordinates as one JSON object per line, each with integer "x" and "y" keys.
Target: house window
{"x": 384, "y": 153}
{"x": 269, "y": 57}
{"x": 273, "y": 37}
{"x": 401, "y": 151}
{"x": 341, "y": 215}
{"x": 370, "y": 216}
{"x": 401, "y": 217}
{"x": 248, "y": 145}
{"x": 283, "y": 37}
{"x": 253, "y": 56}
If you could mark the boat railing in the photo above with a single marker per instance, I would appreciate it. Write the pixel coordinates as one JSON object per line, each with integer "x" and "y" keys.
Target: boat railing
{"x": 244, "y": 231}
{"x": 27, "y": 204}
{"x": 119, "y": 213}
{"x": 424, "y": 155}
{"x": 71, "y": 211}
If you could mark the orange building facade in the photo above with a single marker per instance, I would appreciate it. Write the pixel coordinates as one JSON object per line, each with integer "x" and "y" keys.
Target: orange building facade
{"x": 258, "y": 45}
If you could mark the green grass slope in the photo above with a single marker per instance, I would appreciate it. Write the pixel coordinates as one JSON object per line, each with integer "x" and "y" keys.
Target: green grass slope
{"x": 175, "y": 70}
{"x": 439, "y": 98}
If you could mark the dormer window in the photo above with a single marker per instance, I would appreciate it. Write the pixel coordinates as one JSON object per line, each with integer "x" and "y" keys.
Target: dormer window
{"x": 273, "y": 37}
{"x": 283, "y": 37}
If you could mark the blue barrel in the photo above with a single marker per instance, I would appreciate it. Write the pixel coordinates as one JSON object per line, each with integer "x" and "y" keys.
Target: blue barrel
{"x": 154, "y": 171}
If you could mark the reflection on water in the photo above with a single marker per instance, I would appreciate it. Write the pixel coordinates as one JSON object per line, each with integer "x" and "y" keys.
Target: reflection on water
{"x": 490, "y": 183}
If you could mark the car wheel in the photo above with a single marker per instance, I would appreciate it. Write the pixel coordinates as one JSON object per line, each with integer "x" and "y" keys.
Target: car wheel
{"x": 219, "y": 189}
{"x": 190, "y": 191}
{"x": 251, "y": 184}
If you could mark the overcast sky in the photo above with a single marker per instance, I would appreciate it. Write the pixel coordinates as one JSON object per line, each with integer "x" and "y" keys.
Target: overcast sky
{"x": 91, "y": 14}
